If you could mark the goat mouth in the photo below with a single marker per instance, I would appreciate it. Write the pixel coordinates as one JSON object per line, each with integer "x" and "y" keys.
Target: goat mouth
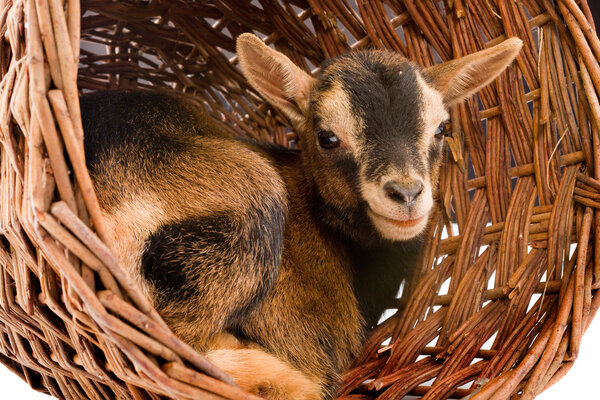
{"x": 401, "y": 223}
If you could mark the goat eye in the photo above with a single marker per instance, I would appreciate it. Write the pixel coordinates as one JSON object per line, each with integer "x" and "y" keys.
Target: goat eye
{"x": 328, "y": 140}
{"x": 441, "y": 131}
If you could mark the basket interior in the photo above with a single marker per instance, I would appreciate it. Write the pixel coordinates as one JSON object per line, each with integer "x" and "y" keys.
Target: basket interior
{"x": 507, "y": 283}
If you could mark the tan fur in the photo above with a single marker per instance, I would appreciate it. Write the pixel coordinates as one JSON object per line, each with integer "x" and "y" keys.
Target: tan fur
{"x": 259, "y": 372}
{"x": 337, "y": 116}
{"x": 129, "y": 224}
{"x": 433, "y": 111}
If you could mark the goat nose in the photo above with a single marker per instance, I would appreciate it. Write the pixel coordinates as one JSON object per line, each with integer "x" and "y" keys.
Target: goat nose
{"x": 403, "y": 194}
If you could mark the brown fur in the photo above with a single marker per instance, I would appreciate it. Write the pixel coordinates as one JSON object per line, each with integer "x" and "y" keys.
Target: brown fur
{"x": 274, "y": 263}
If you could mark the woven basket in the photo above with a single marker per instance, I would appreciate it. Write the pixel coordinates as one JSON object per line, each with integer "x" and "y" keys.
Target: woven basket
{"x": 499, "y": 307}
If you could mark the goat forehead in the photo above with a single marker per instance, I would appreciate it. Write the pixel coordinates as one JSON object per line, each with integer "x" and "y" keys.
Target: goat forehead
{"x": 390, "y": 100}
{"x": 385, "y": 92}
{"x": 394, "y": 110}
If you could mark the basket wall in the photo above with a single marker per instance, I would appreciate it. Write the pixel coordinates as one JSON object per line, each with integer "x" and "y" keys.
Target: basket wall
{"x": 500, "y": 304}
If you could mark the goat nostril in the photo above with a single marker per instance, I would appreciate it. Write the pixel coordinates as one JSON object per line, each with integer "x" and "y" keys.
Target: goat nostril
{"x": 393, "y": 191}
{"x": 405, "y": 194}
{"x": 420, "y": 187}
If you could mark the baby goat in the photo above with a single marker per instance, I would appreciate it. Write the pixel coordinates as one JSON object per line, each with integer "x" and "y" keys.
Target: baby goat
{"x": 275, "y": 263}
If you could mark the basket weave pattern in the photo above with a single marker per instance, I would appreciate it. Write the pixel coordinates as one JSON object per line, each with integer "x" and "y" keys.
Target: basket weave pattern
{"x": 499, "y": 306}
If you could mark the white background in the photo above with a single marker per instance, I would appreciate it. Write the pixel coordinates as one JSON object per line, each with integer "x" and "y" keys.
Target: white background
{"x": 580, "y": 383}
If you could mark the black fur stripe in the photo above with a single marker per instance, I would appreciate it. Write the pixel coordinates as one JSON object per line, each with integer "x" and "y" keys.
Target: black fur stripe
{"x": 185, "y": 259}
{"x": 175, "y": 252}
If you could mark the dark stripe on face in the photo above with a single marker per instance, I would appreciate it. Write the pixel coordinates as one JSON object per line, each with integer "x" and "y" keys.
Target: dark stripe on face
{"x": 349, "y": 169}
{"x": 386, "y": 94}
{"x": 435, "y": 151}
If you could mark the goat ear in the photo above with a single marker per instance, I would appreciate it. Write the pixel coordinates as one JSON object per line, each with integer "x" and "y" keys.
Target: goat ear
{"x": 460, "y": 78}
{"x": 275, "y": 77}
